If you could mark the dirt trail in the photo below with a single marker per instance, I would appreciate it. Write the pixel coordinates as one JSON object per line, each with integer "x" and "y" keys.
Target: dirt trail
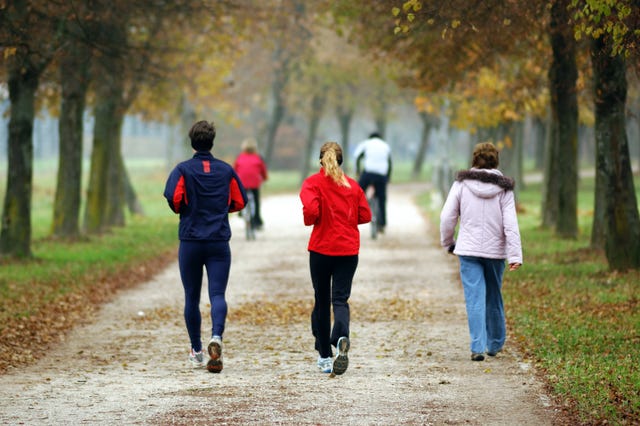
{"x": 409, "y": 358}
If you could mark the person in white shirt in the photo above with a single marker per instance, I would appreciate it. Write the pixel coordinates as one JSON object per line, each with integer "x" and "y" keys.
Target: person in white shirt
{"x": 373, "y": 165}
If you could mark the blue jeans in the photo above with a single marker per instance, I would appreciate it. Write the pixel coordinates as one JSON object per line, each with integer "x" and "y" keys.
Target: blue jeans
{"x": 215, "y": 256}
{"x": 482, "y": 282}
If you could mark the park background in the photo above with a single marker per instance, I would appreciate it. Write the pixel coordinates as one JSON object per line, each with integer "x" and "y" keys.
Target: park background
{"x": 97, "y": 99}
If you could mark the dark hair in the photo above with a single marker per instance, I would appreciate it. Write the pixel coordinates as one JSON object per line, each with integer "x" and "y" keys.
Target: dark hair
{"x": 485, "y": 156}
{"x": 202, "y": 135}
{"x": 375, "y": 135}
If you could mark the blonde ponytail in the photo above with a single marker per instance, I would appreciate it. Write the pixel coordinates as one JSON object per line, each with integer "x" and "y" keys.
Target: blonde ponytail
{"x": 330, "y": 160}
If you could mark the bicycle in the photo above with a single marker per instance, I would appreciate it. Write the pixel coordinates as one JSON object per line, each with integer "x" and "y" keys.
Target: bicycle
{"x": 374, "y": 205}
{"x": 248, "y": 214}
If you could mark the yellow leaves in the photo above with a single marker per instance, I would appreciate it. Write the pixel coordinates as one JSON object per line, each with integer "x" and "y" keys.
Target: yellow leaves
{"x": 9, "y": 51}
{"x": 455, "y": 23}
{"x": 424, "y": 104}
{"x": 408, "y": 8}
{"x": 414, "y": 5}
{"x": 597, "y": 18}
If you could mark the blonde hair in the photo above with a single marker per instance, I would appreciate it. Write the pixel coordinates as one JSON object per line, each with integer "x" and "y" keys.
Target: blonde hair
{"x": 330, "y": 160}
{"x": 249, "y": 145}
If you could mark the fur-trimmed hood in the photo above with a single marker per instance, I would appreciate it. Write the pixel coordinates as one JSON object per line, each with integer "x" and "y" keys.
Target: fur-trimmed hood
{"x": 485, "y": 183}
{"x": 482, "y": 203}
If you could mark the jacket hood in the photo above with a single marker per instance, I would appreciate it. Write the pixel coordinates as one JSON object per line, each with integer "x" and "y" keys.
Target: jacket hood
{"x": 485, "y": 183}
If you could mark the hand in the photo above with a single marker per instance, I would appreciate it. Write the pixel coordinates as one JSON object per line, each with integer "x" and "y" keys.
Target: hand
{"x": 514, "y": 266}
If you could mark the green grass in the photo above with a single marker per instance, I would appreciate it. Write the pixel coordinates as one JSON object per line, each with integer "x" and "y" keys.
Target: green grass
{"x": 61, "y": 268}
{"x": 576, "y": 319}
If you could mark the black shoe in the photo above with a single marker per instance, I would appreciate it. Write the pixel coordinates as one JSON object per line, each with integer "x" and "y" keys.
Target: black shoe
{"x": 477, "y": 357}
{"x": 341, "y": 362}
{"x": 493, "y": 353}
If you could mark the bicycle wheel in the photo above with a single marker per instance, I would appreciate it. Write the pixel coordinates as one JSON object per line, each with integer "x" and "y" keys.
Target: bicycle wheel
{"x": 373, "y": 225}
{"x": 247, "y": 215}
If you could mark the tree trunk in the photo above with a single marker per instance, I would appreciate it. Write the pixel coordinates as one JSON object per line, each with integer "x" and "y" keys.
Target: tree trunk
{"x": 116, "y": 184}
{"x": 380, "y": 119}
{"x": 104, "y": 167}
{"x": 131, "y": 197}
{"x": 317, "y": 106}
{"x": 511, "y": 154}
{"x": 563, "y": 75}
{"x": 540, "y": 133}
{"x": 550, "y": 179}
{"x": 613, "y": 168}
{"x": 74, "y": 82}
{"x": 598, "y": 227}
{"x": 95, "y": 213}
{"x": 106, "y": 192}
{"x": 345, "y": 115}
{"x": 281, "y": 78}
{"x": 428, "y": 122}
{"x": 105, "y": 180}
{"x": 15, "y": 233}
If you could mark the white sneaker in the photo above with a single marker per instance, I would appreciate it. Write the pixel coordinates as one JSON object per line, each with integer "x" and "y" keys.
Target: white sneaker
{"x": 196, "y": 358}
{"x": 325, "y": 364}
{"x": 342, "y": 360}
{"x": 214, "y": 365}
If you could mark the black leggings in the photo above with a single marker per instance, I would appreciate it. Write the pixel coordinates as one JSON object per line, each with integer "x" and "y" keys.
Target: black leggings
{"x": 379, "y": 183}
{"x": 331, "y": 277}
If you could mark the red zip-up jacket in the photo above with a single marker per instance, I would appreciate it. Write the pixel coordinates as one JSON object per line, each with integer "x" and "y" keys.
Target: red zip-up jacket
{"x": 335, "y": 212}
{"x": 204, "y": 190}
{"x": 251, "y": 170}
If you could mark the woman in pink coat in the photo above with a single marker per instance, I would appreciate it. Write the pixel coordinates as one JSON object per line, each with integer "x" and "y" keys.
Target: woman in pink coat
{"x": 482, "y": 200}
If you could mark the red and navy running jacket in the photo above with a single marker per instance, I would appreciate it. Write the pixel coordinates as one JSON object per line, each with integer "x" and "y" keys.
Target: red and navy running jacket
{"x": 204, "y": 190}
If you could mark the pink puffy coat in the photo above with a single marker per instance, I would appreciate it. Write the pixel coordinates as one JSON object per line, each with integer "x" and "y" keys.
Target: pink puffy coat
{"x": 483, "y": 201}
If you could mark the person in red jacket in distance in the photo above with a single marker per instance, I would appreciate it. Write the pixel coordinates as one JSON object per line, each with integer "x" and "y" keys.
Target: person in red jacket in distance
{"x": 334, "y": 204}
{"x": 252, "y": 171}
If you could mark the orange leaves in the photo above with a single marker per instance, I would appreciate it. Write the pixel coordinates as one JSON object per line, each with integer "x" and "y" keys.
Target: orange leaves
{"x": 290, "y": 311}
{"x": 273, "y": 313}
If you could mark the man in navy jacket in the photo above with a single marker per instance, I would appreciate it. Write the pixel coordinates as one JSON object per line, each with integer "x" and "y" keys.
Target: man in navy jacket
{"x": 204, "y": 190}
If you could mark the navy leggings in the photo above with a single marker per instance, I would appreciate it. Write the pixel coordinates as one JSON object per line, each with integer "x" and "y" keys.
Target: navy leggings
{"x": 331, "y": 277}
{"x": 215, "y": 256}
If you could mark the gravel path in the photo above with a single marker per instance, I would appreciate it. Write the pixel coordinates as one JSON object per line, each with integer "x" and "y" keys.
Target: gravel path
{"x": 409, "y": 358}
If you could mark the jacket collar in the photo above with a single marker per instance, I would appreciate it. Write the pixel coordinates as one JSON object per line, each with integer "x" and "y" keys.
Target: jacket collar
{"x": 487, "y": 176}
{"x": 203, "y": 155}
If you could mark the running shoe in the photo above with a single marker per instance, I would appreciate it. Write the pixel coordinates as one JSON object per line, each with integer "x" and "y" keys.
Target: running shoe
{"x": 325, "y": 364}
{"x": 196, "y": 358}
{"x": 214, "y": 365}
{"x": 341, "y": 362}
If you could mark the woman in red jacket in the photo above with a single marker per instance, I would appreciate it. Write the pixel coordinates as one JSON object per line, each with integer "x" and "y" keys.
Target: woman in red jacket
{"x": 252, "y": 171}
{"x": 335, "y": 205}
